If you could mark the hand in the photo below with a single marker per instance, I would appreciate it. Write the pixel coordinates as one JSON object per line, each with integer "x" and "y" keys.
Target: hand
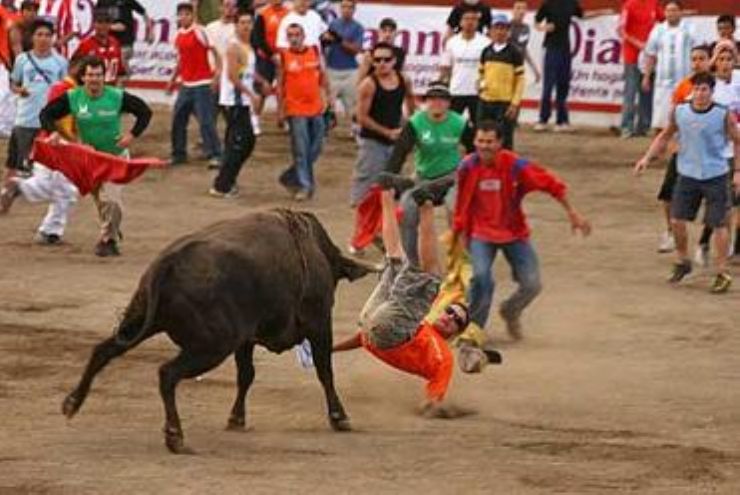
{"x": 578, "y": 222}
{"x": 54, "y": 138}
{"x": 393, "y": 134}
{"x": 149, "y": 36}
{"x": 736, "y": 181}
{"x": 170, "y": 88}
{"x": 23, "y": 92}
{"x": 215, "y": 83}
{"x": 512, "y": 112}
{"x": 537, "y": 77}
{"x": 641, "y": 165}
{"x": 118, "y": 27}
{"x": 254, "y": 101}
{"x": 125, "y": 140}
{"x": 549, "y": 27}
{"x": 646, "y": 83}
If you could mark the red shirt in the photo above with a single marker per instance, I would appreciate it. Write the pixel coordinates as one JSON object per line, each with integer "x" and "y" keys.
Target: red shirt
{"x": 302, "y": 82}
{"x": 489, "y": 197}
{"x": 109, "y": 52}
{"x": 271, "y": 16}
{"x": 426, "y": 355}
{"x": 192, "y": 49}
{"x": 637, "y": 20}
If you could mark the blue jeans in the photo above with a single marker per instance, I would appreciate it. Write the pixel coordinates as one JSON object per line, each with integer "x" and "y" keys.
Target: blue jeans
{"x": 409, "y": 225}
{"x": 644, "y": 107}
{"x": 556, "y": 75}
{"x": 524, "y": 269}
{"x": 306, "y": 138}
{"x": 198, "y": 100}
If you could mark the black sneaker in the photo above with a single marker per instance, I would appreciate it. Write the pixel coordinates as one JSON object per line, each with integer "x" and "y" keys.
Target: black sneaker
{"x": 434, "y": 191}
{"x": 721, "y": 284}
{"x": 107, "y": 248}
{"x": 680, "y": 270}
{"x": 287, "y": 180}
{"x": 493, "y": 356}
{"x": 398, "y": 183}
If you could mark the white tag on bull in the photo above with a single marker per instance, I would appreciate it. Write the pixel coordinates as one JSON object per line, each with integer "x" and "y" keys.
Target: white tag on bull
{"x": 304, "y": 354}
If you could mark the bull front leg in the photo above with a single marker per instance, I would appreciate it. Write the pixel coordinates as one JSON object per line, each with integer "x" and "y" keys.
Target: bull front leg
{"x": 244, "y": 378}
{"x": 321, "y": 342}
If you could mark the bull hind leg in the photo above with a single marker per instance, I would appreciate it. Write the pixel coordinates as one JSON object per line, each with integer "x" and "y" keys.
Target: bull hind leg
{"x": 244, "y": 379}
{"x": 321, "y": 351}
{"x": 103, "y": 353}
{"x": 185, "y": 365}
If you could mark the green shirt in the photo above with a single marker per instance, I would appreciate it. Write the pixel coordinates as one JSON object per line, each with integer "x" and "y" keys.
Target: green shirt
{"x": 437, "y": 144}
{"x": 98, "y": 119}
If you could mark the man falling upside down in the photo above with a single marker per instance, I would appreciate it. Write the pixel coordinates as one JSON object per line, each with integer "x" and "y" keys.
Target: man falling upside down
{"x": 392, "y": 325}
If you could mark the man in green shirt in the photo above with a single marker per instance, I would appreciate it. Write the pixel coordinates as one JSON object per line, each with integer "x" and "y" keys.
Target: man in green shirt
{"x": 436, "y": 135}
{"x": 97, "y": 110}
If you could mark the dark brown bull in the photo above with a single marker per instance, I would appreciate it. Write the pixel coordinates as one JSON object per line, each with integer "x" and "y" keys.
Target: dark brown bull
{"x": 267, "y": 278}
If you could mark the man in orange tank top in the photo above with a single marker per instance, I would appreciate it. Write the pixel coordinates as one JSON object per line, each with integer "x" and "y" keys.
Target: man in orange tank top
{"x": 264, "y": 41}
{"x": 303, "y": 93}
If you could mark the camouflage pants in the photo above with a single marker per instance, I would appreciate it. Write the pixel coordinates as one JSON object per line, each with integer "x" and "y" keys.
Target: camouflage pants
{"x": 398, "y": 304}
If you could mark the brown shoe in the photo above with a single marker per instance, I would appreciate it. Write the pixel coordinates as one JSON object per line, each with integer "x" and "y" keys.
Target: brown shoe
{"x": 8, "y": 195}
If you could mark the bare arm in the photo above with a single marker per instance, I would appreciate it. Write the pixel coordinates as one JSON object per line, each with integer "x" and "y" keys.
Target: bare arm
{"x": 16, "y": 40}
{"x": 365, "y": 95}
{"x": 445, "y": 73}
{"x": 410, "y": 99}
{"x": 734, "y": 134}
{"x": 364, "y": 69}
{"x": 532, "y": 65}
{"x": 577, "y": 221}
{"x": 349, "y": 344}
{"x": 659, "y": 144}
{"x": 650, "y": 61}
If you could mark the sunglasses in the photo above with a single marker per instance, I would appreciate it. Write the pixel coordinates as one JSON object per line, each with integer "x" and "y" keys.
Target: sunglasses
{"x": 459, "y": 320}
{"x": 382, "y": 60}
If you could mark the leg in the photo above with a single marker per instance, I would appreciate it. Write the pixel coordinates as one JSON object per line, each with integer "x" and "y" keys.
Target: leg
{"x": 244, "y": 379}
{"x": 681, "y": 237}
{"x": 409, "y": 228}
{"x": 299, "y": 141}
{"x": 109, "y": 201}
{"x": 563, "y": 86}
{"x": 180, "y": 118}
{"x": 645, "y": 107}
{"x": 207, "y": 121}
{"x": 316, "y": 132}
{"x": 482, "y": 284}
{"x": 391, "y": 232}
{"x": 239, "y": 145}
{"x": 321, "y": 343}
{"x": 371, "y": 157}
{"x": 548, "y": 83}
{"x": 631, "y": 87}
{"x": 428, "y": 251}
{"x": 63, "y": 197}
{"x": 526, "y": 272}
{"x": 472, "y": 106}
{"x": 185, "y": 365}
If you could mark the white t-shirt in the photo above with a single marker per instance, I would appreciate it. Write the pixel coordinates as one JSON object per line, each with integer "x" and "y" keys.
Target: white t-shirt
{"x": 228, "y": 94}
{"x": 219, "y": 33}
{"x": 728, "y": 94}
{"x": 313, "y": 27}
{"x": 464, "y": 58}
{"x": 671, "y": 45}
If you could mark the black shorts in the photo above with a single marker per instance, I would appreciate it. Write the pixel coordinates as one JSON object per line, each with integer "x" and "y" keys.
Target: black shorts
{"x": 669, "y": 180}
{"x": 688, "y": 194}
{"x": 267, "y": 70}
{"x": 19, "y": 147}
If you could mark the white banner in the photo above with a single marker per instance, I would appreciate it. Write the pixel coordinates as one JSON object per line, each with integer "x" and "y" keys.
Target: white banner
{"x": 597, "y": 68}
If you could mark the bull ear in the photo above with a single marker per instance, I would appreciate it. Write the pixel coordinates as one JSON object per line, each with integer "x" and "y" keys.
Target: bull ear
{"x": 353, "y": 269}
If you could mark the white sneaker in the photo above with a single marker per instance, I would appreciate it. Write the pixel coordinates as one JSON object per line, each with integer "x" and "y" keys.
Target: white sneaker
{"x": 564, "y": 128}
{"x": 667, "y": 244}
{"x": 256, "y": 125}
{"x": 355, "y": 251}
{"x": 540, "y": 127}
{"x": 701, "y": 256}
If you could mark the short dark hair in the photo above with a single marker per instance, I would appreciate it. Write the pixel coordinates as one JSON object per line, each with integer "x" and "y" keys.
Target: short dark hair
{"x": 184, "y": 6}
{"x": 294, "y": 25}
{"x": 29, "y": 4}
{"x": 388, "y": 23}
{"x": 678, "y": 3}
{"x": 703, "y": 48}
{"x": 467, "y": 8}
{"x": 102, "y": 15}
{"x": 490, "y": 126}
{"x": 382, "y": 45}
{"x": 703, "y": 78}
{"x": 42, "y": 24}
{"x": 91, "y": 61}
{"x": 726, "y": 19}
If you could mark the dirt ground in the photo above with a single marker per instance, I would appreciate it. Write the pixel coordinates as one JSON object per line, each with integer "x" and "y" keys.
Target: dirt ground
{"x": 622, "y": 384}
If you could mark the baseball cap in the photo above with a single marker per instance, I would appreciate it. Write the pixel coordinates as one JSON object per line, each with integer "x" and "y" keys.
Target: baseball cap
{"x": 437, "y": 89}
{"x": 500, "y": 19}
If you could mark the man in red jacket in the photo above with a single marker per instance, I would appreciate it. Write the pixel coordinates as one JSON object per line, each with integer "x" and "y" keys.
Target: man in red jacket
{"x": 492, "y": 183}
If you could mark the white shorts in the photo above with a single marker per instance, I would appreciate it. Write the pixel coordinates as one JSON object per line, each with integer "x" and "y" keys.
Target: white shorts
{"x": 662, "y": 103}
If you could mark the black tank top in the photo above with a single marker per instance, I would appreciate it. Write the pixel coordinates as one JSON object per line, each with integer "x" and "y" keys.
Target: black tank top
{"x": 386, "y": 109}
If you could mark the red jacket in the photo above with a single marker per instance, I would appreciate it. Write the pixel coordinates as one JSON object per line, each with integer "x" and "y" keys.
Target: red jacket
{"x": 489, "y": 196}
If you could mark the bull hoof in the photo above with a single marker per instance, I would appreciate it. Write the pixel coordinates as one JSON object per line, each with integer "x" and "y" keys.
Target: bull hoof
{"x": 340, "y": 423}
{"x": 176, "y": 443}
{"x": 71, "y": 405}
{"x": 236, "y": 424}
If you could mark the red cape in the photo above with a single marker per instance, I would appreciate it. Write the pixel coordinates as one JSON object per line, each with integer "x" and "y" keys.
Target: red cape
{"x": 87, "y": 168}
